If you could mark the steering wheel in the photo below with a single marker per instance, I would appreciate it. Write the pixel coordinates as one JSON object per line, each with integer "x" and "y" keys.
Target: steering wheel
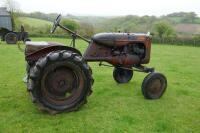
{"x": 56, "y": 23}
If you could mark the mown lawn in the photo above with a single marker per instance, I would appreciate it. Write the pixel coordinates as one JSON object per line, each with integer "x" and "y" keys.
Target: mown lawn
{"x": 112, "y": 108}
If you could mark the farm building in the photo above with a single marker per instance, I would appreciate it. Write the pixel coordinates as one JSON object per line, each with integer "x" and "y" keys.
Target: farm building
{"x": 5, "y": 19}
{"x": 6, "y": 30}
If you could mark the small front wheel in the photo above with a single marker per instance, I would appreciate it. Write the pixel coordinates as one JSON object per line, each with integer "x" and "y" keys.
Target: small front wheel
{"x": 122, "y": 75}
{"x": 154, "y": 85}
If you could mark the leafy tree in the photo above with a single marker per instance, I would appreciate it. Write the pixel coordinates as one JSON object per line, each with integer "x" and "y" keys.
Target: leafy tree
{"x": 164, "y": 30}
{"x": 196, "y": 37}
{"x": 185, "y": 17}
{"x": 13, "y": 7}
{"x": 71, "y": 24}
{"x": 86, "y": 29}
{"x": 190, "y": 17}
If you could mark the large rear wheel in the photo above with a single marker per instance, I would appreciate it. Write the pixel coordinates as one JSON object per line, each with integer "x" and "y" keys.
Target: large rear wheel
{"x": 11, "y": 38}
{"x": 59, "y": 82}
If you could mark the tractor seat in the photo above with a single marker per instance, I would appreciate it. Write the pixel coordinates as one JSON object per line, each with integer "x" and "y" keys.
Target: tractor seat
{"x": 35, "y": 46}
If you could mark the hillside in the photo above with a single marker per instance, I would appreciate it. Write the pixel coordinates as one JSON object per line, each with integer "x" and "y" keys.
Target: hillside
{"x": 33, "y": 22}
{"x": 94, "y": 20}
{"x": 184, "y": 24}
{"x": 188, "y": 28}
{"x": 128, "y": 23}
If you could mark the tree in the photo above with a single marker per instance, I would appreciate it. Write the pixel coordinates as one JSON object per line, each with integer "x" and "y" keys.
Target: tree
{"x": 13, "y": 7}
{"x": 164, "y": 30}
{"x": 86, "y": 29}
{"x": 71, "y": 24}
{"x": 190, "y": 17}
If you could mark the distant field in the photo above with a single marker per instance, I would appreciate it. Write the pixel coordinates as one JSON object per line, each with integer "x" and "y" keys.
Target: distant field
{"x": 188, "y": 28}
{"x": 34, "y": 22}
{"x": 112, "y": 108}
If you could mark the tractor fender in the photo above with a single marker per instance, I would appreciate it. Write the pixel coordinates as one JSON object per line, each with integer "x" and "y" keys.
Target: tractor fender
{"x": 32, "y": 57}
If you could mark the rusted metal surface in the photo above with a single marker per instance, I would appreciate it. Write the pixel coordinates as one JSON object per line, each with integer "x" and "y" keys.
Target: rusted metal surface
{"x": 62, "y": 83}
{"x": 115, "y": 48}
{"x": 32, "y": 47}
{"x": 113, "y": 52}
{"x": 118, "y": 39}
{"x": 104, "y": 47}
{"x": 34, "y": 51}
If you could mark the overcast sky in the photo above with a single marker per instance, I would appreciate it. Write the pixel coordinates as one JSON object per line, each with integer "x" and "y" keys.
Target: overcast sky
{"x": 110, "y": 7}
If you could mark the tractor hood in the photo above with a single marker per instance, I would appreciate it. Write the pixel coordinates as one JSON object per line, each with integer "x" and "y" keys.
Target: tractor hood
{"x": 113, "y": 39}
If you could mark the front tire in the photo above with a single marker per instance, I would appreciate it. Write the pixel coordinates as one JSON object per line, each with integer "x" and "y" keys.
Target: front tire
{"x": 154, "y": 85}
{"x": 59, "y": 82}
{"x": 122, "y": 75}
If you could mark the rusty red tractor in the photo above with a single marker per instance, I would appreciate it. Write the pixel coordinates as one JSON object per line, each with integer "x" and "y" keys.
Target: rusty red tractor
{"x": 60, "y": 79}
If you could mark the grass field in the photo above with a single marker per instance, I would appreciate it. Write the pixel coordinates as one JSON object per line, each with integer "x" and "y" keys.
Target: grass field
{"x": 112, "y": 108}
{"x": 33, "y": 22}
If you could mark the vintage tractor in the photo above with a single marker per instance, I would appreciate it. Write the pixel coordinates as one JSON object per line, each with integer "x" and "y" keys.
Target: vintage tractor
{"x": 59, "y": 78}
{"x": 6, "y": 30}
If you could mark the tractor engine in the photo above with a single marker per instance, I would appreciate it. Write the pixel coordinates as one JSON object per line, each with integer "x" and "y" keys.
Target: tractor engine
{"x": 131, "y": 49}
{"x": 121, "y": 49}
{"x": 128, "y": 54}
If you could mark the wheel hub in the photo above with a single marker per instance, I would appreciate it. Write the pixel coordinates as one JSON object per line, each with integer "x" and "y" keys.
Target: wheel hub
{"x": 62, "y": 84}
{"x": 60, "y": 81}
{"x": 156, "y": 87}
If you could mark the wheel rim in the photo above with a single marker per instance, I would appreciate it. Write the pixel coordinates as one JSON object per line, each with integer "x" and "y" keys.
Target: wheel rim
{"x": 122, "y": 75}
{"x": 11, "y": 38}
{"x": 156, "y": 88}
{"x": 62, "y": 84}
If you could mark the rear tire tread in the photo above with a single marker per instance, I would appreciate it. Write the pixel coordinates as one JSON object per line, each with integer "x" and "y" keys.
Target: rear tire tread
{"x": 34, "y": 73}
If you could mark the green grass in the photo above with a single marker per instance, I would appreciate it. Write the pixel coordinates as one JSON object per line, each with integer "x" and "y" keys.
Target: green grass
{"x": 112, "y": 108}
{"x": 33, "y": 22}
